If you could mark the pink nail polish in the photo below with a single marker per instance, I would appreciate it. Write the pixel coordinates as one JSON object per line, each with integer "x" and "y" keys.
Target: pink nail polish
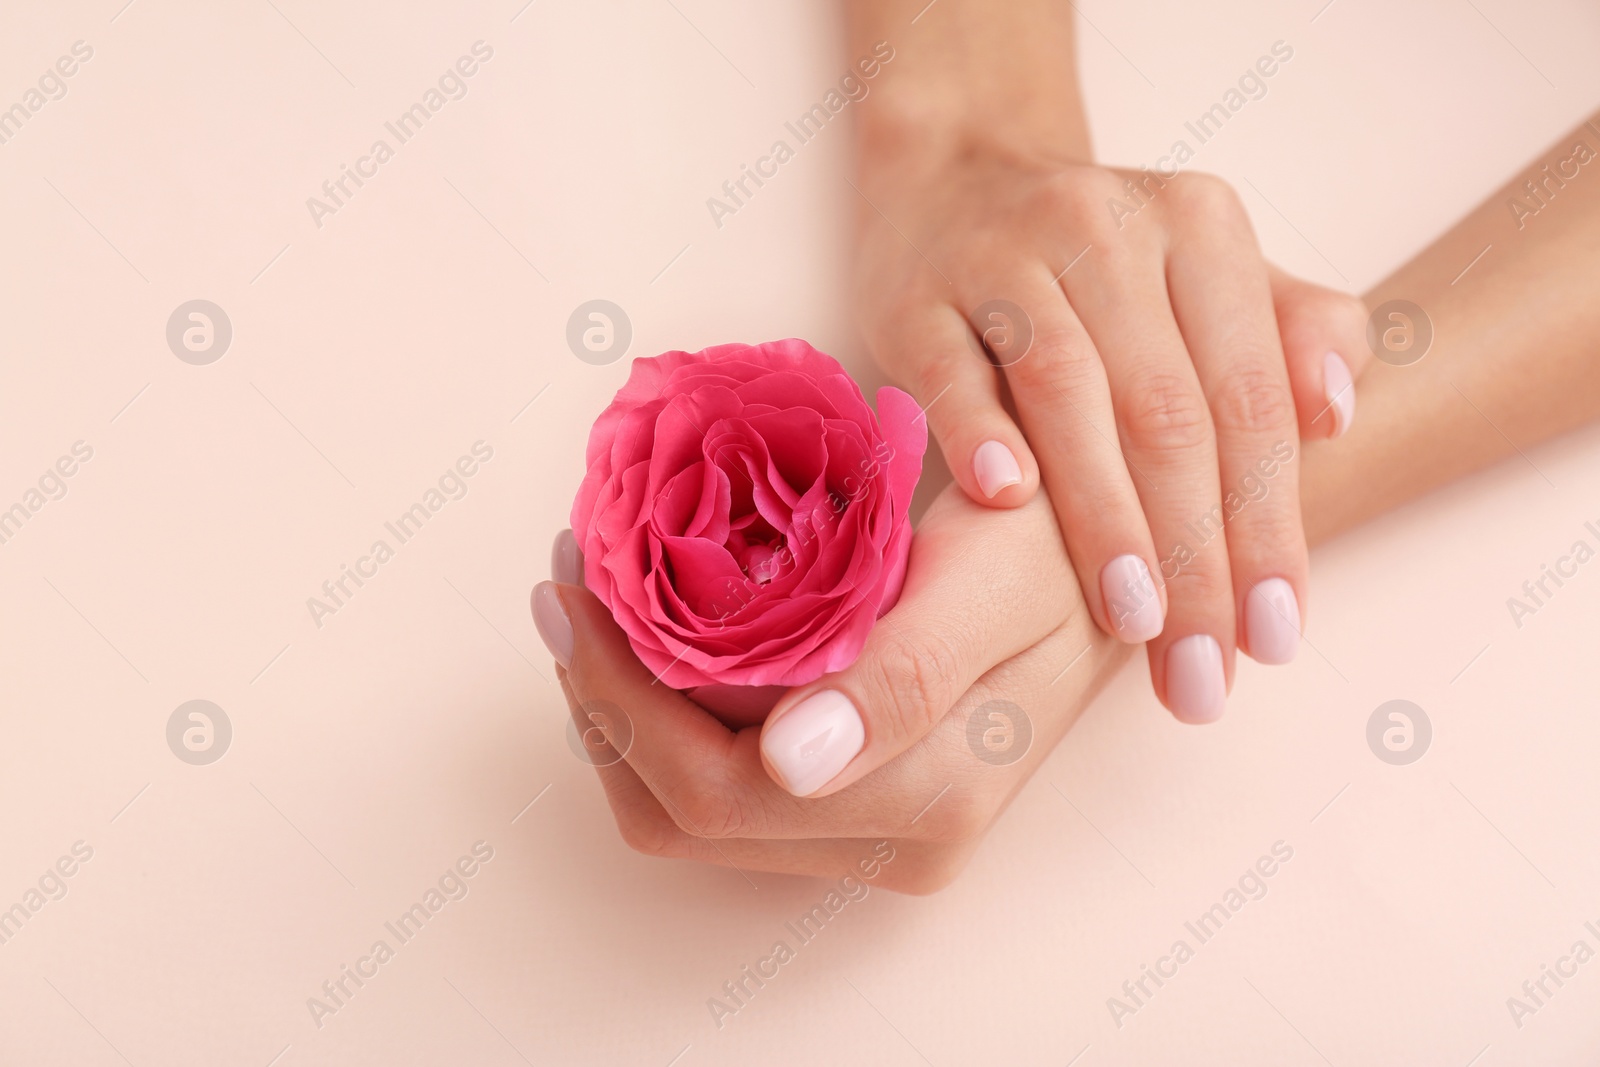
{"x": 813, "y": 741}
{"x": 995, "y": 468}
{"x": 1272, "y": 621}
{"x": 1132, "y": 603}
{"x": 550, "y": 618}
{"x": 1196, "y": 685}
{"x": 1339, "y": 391}
{"x": 566, "y": 559}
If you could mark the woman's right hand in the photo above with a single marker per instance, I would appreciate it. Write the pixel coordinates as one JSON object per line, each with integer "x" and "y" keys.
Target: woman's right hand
{"x": 1161, "y": 373}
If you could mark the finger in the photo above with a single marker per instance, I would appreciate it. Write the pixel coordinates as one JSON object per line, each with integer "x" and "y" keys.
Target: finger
{"x": 935, "y": 844}
{"x": 945, "y": 792}
{"x": 898, "y": 866}
{"x": 1064, "y": 402}
{"x": 641, "y": 820}
{"x": 1325, "y": 345}
{"x": 934, "y": 353}
{"x": 869, "y": 862}
{"x": 1170, "y": 445}
{"x": 566, "y": 559}
{"x": 709, "y": 780}
{"x": 645, "y": 827}
{"x": 980, "y": 588}
{"x": 1223, "y": 303}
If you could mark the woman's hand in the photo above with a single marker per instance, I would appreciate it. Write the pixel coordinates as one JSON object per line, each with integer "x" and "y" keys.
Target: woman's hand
{"x": 690, "y": 787}
{"x": 991, "y": 626}
{"x": 1157, "y": 366}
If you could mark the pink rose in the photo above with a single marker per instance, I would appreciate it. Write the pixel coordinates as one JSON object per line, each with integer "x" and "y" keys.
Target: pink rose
{"x": 744, "y": 517}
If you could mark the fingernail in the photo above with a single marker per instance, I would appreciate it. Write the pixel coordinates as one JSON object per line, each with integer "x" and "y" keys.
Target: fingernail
{"x": 811, "y": 743}
{"x": 995, "y": 468}
{"x": 1272, "y": 621}
{"x": 566, "y": 559}
{"x": 550, "y": 617}
{"x": 1196, "y": 687}
{"x": 1131, "y": 600}
{"x": 1338, "y": 389}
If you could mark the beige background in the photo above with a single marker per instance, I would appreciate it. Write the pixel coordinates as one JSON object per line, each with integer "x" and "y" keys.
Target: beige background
{"x": 425, "y": 315}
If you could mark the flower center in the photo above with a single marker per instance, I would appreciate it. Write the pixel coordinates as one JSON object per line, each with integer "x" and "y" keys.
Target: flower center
{"x": 760, "y": 562}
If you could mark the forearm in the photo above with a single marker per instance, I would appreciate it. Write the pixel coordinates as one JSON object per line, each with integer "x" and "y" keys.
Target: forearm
{"x": 969, "y": 72}
{"x": 1515, "y": 357}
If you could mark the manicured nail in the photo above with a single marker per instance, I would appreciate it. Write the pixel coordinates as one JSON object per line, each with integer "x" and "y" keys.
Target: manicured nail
{"x": 995, "y": 467}
{"x": 1196, "y": 687}
{"x": 1339, "y": 390}
{"x": 550, "y": 617}
{"x": 811, "y": 743}
{"x": 1131, "y": 600}
{"x": 1272, "y": 621}
{"x": 566, "y": 559}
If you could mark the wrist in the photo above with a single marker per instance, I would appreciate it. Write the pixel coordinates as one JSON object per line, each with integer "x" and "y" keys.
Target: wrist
{"x": 970, "y": 76}
{"x": 916, "y": 119}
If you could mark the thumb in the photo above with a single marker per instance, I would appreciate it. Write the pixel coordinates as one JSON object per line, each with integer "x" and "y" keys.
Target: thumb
{"x": 983, "y": 586}
{"x": 1324, "y": 335}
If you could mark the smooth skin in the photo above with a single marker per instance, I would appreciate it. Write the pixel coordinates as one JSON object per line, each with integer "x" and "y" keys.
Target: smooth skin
{"x": 1514, "y": 363}
{"x": 1151, "y": 360}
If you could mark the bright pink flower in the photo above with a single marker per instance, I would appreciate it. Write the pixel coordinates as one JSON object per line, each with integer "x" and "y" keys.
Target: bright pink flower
{"x": 744, "y": 516}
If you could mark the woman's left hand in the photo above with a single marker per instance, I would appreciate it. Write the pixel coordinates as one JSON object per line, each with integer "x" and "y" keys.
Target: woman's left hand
{"x": 961, "y": 692}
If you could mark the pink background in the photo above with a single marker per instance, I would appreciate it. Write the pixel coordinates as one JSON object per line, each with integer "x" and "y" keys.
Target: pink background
{"x": 372, "y": 752}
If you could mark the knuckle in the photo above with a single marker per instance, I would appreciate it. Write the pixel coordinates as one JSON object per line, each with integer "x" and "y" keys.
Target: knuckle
{"x": 930, "y": 376}
{"x": 899, "y": 321}
{"x": 1315, "y": 320}
{"x": 912, "y": 684}
{"x": 1331, "y": 308}
{"x": 903, "y": 311}
{"x": 1165, "y": 412}
{"x": 648, "y": 835}
{"x": 1202, "y": 581}
{"x": 1059, "y": 361}
{"x": 1271, "y": 541}
{"x": 705, "y": 809}
{"x": 1079, "y": 191}
{"x": 1350, "y": 312}
{"x": 1314, "y": 310}
{"x": 1079, "y": 202}
{"x": 1209, "y": 196}
{"x": 1254, "y": 401}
